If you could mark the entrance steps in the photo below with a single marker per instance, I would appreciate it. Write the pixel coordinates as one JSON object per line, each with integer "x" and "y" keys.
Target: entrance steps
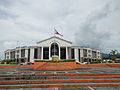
{"x": 55, "y": 65}
{"x": 59, "y": 80}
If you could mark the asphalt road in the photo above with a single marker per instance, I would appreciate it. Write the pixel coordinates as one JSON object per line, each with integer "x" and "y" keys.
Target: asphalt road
{"x": 79, "y": 70}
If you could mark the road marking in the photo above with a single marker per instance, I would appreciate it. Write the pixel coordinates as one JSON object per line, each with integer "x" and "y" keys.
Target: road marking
{"x": 66, "y": 72}
{"x": 55, "y": 73}
{"x": 91, "y": 88}
{"x": 77, "y": 72}
{"x": 56, "y": 88}
{"x": 44, "y": 72}
{"x": 33, "y": 72}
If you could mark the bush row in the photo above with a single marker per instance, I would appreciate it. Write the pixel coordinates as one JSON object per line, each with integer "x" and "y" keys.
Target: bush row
{"x": 54, "y": 61}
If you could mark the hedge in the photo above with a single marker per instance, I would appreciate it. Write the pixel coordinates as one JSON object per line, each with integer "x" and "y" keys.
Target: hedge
{"x": 54, "y": 61}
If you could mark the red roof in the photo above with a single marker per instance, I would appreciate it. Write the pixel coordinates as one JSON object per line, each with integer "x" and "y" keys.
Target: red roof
{"x": 26, "y": 47}
{"x": 79, "y": 47}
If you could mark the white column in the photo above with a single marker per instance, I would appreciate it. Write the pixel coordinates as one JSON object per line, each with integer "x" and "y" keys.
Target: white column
{"x": 32, "y": 55}
{"x": 69, "y": 55}
{"x": 38, "y": 54}
{"x": 41, "y": 53}
{"x": 20, "y": 53}
{"x": 15, "y": 55}
{"x": 66, "y": 53}
{"x": 49, "y": 53}
{"x": 81, "y": 54}
{"x": 88, "y": 57}
{"x": 26, "y": 54}
{"x": 19, "y": 56}
{"x": 76, "y": 54}
{"x": 59, "y": 52}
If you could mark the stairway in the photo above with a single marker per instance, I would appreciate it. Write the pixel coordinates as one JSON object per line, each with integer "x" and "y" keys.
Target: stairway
{"x": 58, "y": 80}
{"x": 57, "y": 66}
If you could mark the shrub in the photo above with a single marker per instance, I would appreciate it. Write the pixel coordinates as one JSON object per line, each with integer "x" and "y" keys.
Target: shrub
{"x": 93, "y": 62}
{"x": 97, "y": 61}
{"x": 7, "y": 61}
{"x": 13, "y": 63}
{"x": 55, "y": 61}
{"x": 109, "y": 61}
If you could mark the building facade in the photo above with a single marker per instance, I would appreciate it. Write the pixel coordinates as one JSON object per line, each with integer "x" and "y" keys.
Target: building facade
{"x": 45, "y": 49}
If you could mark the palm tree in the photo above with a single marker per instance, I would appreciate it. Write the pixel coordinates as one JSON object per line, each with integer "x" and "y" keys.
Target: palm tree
{"x": 113, "y": 54}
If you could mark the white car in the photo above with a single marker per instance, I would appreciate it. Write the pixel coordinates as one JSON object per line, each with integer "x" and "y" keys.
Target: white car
{"x": 81, "y": 62}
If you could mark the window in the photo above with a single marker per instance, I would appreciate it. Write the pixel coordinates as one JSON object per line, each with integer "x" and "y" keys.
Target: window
{"x": 28, "y": 55}
{"x": 98, "y": 52}
{"x": 89, "y": 51}
{"x": 89, "y": 55}
{"x": 94, "y": 54}
{"x": 7, "y": 57}
{"x": 72, "y": 53}
{"x": 84, "y": 52}
{"x": 63, "y": 53}
{"x": 17, "y": 56}
{"x": 23, "y": 53}
{"x": 18, "y": 51}
{"x": 45, "y": 53}
{"x": 35, "y": 53}
{"x": 7, "y": 53}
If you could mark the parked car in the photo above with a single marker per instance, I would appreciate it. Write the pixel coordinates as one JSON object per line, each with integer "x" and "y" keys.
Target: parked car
{"x": 82, "y": 63}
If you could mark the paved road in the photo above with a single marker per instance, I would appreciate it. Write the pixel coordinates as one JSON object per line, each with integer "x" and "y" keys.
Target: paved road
{"x": 79, "y": 70}
{"x": 70, "y": 88}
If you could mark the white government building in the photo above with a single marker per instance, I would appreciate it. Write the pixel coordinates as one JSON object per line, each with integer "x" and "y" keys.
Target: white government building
{"x": 45, "y": 49}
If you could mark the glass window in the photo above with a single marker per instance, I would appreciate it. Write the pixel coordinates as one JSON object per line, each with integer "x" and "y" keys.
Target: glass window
{"x": 72, "y": 53}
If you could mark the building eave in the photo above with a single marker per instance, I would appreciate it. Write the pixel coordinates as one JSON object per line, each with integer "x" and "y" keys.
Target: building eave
{"x": 80, "y": 47}
{"x": 54, "y": 37}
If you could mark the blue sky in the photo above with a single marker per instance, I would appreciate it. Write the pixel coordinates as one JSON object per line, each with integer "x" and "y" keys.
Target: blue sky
{"x": 94, "y": 23}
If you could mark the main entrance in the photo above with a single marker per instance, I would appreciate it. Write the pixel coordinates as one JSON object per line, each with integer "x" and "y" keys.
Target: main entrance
{"x": 54, "y": 49}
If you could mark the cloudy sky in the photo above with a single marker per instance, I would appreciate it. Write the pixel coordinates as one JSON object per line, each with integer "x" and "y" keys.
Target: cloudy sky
{"x": 93, "y": 23}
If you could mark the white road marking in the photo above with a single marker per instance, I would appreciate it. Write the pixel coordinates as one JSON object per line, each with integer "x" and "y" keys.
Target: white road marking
{"x": 44, "y": 72}
{"x": 56, "y": 88}
{"x": 77, "y": 72}
{"x": 91, "y": 88}
{"x": 55, "y": 73}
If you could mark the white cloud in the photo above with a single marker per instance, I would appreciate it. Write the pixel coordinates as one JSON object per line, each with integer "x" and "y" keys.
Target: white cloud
{"x": 33, "y": 20}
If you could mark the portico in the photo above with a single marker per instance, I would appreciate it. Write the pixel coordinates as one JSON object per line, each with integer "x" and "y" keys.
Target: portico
{"x": 54, "y": 46}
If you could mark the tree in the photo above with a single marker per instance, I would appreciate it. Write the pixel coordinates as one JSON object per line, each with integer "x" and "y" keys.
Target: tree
{"x": 113, "y": 54}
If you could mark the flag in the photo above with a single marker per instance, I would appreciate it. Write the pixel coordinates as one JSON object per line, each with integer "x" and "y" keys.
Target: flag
{"x": 56, "y": 32}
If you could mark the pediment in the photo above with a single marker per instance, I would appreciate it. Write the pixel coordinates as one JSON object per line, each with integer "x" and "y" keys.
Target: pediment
{"x": 60, "y": 41}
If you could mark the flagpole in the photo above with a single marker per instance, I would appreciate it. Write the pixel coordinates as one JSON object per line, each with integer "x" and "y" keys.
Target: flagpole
{"x": 54, "y": 41}
{"x": 56, "y": 32}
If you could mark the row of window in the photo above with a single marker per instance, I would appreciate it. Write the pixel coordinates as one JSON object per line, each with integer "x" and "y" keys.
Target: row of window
{"x": 54, "y": 51}
{"x": 85, "y": 53}
{"x": 12, "y": 54}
